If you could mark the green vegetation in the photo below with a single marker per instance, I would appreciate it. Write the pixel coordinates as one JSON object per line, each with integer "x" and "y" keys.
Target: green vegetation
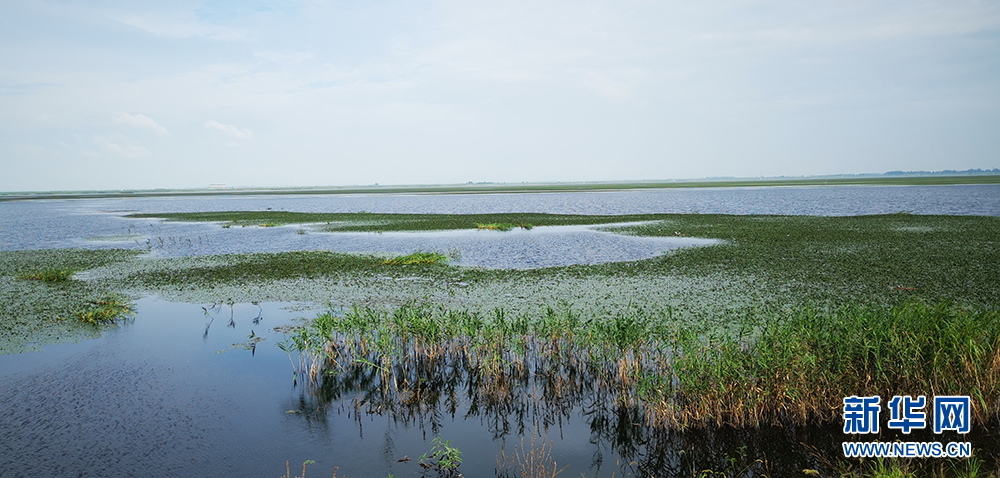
{"x": 908, "y": 468}
{"x": 383, "y": 222}
{"x": 765, "y": 369}
{"x": 49, "y": 275}
{"x": 503, "y": 226}
{"x": 33, "y": 312}
{"x": 774, "y": 325}
{"x": 416, "y": 258}
{"x": 764, "y": 261}
{"x": 443, "y": 458}
{"x": 107, "y": 310}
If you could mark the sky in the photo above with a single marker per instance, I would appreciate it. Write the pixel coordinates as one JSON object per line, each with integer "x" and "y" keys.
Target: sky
{"x": 108, "y": 94}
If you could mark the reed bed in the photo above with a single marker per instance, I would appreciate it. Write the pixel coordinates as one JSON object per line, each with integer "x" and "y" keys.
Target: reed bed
{"x": 775, "y": 369}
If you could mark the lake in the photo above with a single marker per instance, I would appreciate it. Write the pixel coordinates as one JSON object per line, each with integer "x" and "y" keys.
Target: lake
{"x": 183, "y": 389}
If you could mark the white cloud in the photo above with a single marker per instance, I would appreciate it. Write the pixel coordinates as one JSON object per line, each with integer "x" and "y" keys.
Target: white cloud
{"x": 120, "y": 145}
{"x": 140, "y": 121}
{"x": 283, "y": 58}
{"x": 607, "y": 87}
{"x": 183, "y": 27}
{"x": 229, "y": 129}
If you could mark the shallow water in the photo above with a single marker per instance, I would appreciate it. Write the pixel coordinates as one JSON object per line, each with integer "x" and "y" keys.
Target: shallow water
{"x": 98, "y": 223}
{"x": 168, "y": 394}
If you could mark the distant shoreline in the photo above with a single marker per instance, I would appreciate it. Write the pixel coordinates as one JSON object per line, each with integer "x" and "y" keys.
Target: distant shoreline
{"x": 511, "y": 188}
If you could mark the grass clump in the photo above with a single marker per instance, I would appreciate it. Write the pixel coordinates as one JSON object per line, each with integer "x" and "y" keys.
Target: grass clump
{"x": 798, "y": 367}
{"x": 779, "y": 368}
{"x": 503, "y": 226}
{"x": 417, "y": 258}
{"x": 50, "y": 275}
{"x": 443, "y": 457}
{"x": 107, "y": 310}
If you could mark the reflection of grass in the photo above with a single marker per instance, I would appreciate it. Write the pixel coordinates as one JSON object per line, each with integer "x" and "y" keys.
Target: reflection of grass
{"x": 532, "y": 460}
{"x": 641, "y": 371}
{"x": 288, "y": 471}
{"x": 417, "y": 258}
{"x": 49, "y": 275}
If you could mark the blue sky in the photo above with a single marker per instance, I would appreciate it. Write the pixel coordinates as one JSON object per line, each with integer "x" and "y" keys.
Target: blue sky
{"x": 108, "y": 94}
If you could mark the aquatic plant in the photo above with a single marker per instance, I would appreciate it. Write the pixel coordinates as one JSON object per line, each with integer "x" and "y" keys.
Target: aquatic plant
{"x": 792, "y": 367}
{"x": 106, "y": 310}
{"x": 971, "y": 467}
{"x": 503, "y": 226}
{"x": 442, "y": 457}
{"x": 417, "y": 258}
{"x": 49, "y": 275}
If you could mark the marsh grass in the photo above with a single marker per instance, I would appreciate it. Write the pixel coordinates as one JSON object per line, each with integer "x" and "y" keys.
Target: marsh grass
{"x": 107, "y": 310}
{"x": 972, "y": 467}
{"x": 775, "y": 369}
{"x": 50, "y": 275}
{"x": 418, "y": 257}
{"x": 503, "y": 226}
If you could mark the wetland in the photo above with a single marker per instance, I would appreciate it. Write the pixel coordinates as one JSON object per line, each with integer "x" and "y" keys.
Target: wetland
{"x": 635, "y": 333}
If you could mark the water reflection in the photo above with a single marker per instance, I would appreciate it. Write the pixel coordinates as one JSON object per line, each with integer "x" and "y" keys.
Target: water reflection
{"x": 158, "y": 398}
{"x": 429, "y": 392}
{"x": 548, "y": 387}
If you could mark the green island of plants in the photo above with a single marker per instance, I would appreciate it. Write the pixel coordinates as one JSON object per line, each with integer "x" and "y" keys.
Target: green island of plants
{"x": 49, "y": 275}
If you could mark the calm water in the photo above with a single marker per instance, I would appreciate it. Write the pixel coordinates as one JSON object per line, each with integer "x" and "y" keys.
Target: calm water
{"x": 98, "y": 223}
{"x": 167, "y": 394}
